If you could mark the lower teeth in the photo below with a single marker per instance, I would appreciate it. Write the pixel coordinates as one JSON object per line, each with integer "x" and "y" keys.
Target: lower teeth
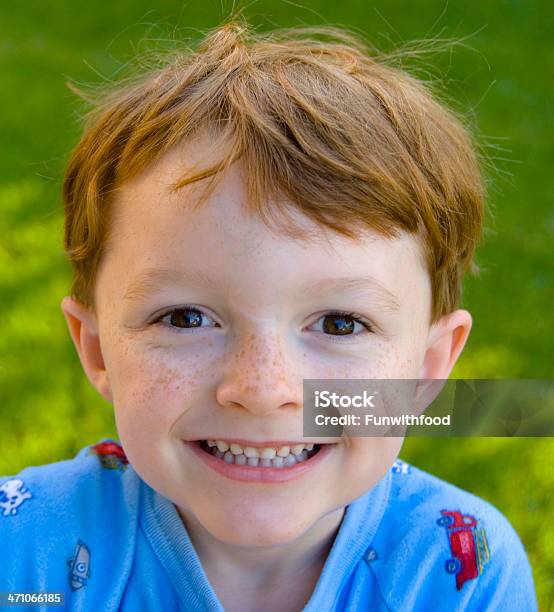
{"x": 276, "y": 462}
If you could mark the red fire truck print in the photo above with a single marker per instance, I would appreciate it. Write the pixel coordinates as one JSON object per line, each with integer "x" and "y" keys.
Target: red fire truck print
{"x": 468, "y": 545}
{"x": 111, "y": 455}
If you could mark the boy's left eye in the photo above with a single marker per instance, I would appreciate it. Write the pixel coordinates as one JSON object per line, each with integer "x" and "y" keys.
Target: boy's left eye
{"x": 343, "y": 324}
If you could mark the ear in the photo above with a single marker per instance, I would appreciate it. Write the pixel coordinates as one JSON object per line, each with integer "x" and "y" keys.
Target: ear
{"x": 445, "y": 342}
{"x": 83, "y": 328}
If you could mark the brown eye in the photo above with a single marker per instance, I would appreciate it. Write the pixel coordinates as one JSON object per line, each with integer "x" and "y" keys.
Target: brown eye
{"x": 185, "y": 317}
{"x": 343, "y": 324}
{"x": 338, "y": 324}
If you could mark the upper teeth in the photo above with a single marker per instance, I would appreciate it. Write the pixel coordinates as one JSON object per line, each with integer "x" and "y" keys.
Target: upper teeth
{"x": 267, "y": 452}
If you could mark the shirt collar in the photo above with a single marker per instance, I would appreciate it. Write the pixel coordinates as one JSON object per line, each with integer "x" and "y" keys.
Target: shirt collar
{"x": 171, "y": 544}
{"x": 358, "y": 528}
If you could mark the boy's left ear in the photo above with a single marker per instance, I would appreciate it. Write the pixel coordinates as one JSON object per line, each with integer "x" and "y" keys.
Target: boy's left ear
{"x": 445, "y": 342}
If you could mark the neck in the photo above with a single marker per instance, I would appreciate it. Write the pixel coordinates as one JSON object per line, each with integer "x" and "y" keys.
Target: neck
{"x": 291, "y": 567}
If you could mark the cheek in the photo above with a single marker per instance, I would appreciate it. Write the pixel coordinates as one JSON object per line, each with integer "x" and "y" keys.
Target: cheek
{"x": 152, "y": 388}
{"x": 402, "y": 362}
{"x": 383, "y": 360}
{"x": 371, "y": 458}
{"x": 151, "y": 392}
{"x": 400, "y": 359}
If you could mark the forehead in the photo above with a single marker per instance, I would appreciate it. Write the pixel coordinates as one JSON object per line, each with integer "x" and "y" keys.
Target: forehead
{"x": 157, "y": 230}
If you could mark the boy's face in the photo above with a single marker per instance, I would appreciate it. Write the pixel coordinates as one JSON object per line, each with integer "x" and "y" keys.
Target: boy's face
{"x": 232, "y": 367}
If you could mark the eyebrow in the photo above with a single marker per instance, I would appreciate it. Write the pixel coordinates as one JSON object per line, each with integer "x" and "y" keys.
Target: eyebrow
{"x": 151, "y": 280}
{"x": 362, "y": 285}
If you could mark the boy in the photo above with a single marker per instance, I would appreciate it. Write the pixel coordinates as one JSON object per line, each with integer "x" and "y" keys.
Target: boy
{"x": 346, "y": 207}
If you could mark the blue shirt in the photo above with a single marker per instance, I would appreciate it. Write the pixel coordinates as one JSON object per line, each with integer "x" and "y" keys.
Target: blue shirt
{"x": 91, "y": 528}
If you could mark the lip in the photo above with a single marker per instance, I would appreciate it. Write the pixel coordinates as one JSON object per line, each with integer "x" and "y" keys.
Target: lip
{"x": 267, "y": 443}
{"x": 249, "y": 473}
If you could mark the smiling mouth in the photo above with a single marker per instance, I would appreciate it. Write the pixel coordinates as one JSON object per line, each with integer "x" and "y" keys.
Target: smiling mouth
{"x": 260, "y": 457}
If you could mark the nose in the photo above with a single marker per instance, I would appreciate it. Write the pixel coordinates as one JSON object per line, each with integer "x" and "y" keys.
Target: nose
{"x": 259, "y": 377}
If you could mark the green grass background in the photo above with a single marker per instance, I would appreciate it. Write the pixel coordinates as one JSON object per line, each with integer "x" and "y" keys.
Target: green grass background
{"x": 501, "y": 74}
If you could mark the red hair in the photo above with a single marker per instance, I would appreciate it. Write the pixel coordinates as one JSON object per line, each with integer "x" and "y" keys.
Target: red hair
{"x": 348, "y": 139}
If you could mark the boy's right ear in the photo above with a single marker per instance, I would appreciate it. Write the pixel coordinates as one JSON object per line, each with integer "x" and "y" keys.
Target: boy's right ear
{"x": 83, "y": 328}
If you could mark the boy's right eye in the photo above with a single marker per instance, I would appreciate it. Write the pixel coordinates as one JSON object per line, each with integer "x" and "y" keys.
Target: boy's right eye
{"x": 184, "y": 318}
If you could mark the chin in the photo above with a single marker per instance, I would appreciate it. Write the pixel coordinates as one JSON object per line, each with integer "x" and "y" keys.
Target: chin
{"x": 260, "y": 531}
